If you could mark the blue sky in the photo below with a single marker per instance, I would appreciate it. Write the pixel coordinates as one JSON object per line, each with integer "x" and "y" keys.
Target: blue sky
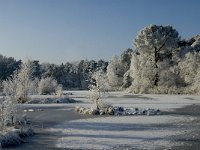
{"x": 58, "y": 31}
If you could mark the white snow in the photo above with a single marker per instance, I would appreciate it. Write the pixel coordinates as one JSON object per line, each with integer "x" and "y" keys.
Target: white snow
{"x": 124, "y": 99}
{"x": 144, "y": 132}
{"x": 108, "y": 132}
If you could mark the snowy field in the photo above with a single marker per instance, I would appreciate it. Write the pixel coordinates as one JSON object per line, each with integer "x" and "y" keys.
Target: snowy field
{"x": 118, "y": 132}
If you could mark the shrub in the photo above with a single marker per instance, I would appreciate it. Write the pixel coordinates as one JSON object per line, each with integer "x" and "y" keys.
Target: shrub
{"x": 47, "y": 85}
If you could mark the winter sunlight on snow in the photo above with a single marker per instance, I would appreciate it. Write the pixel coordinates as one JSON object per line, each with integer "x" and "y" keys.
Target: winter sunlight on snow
{"x": 99, "y": 75}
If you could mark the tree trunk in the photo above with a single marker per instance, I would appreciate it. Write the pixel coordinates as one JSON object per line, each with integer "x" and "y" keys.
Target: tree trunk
{"x": 156, "y": 66}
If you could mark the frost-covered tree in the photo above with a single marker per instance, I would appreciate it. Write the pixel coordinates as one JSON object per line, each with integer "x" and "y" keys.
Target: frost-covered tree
{"x": 18, "y": 85}
{"x": 10, "y": 85}
{"x": 115, "y": 73}
{"x": 154, "y": 51}
{"x": 98, "y": 87}
{"x": 189, "y": 66}
{"x": 16, "y": 89}
{"x": 8, "y": 106}
{"x": 195, "y": 88}
{"x": 143, "y": 75}
{"x": 47, "y": 85}
{"x": 34, "y": 86}
{"x": 24, "y": 77}
{"x": 8, "y": 112}
{"x": 125, "y": 59}
{"x": 127, "y": 79}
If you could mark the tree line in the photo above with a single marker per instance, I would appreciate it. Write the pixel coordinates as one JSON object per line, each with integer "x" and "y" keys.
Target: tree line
{"x": 71, "y": 75}
{"x": 160, "y": 62}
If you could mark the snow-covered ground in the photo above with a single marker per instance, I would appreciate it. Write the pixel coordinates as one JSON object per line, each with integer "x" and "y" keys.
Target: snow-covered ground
{"x": 163, "y": 102}
{"x": 142, "y": 132}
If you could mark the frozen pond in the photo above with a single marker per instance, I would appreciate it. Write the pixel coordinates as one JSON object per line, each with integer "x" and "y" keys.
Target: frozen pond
{"x": 140, "y": 132}
{"x": 59, "y": 127}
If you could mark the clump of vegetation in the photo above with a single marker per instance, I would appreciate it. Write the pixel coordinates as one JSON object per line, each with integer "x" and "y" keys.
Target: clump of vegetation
{"x": 117, "y": 111}
{"x": 98, "y": 89}
{"x": 52, "y": 100}
{"x": 47, "y": 86}
{"x": 17, "y": 87}
{"x": 12, "y": 124}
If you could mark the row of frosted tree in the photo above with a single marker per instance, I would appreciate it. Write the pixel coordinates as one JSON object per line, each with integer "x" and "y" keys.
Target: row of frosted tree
{"x": 71, "y": 75}
{"x": 160, "y": 62}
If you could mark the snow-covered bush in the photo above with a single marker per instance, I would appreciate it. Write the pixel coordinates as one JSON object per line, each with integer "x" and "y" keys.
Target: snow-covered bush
{"x": 12, "y": 129}
{"x": 14, "y": 137}
{"x": 47, "y": 85}
{"x": 77, "y": 108}
{"x": 59, "y": 91}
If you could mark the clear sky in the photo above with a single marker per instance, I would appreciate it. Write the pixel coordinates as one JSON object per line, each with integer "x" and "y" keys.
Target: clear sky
{"x": 58, "y": 31}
